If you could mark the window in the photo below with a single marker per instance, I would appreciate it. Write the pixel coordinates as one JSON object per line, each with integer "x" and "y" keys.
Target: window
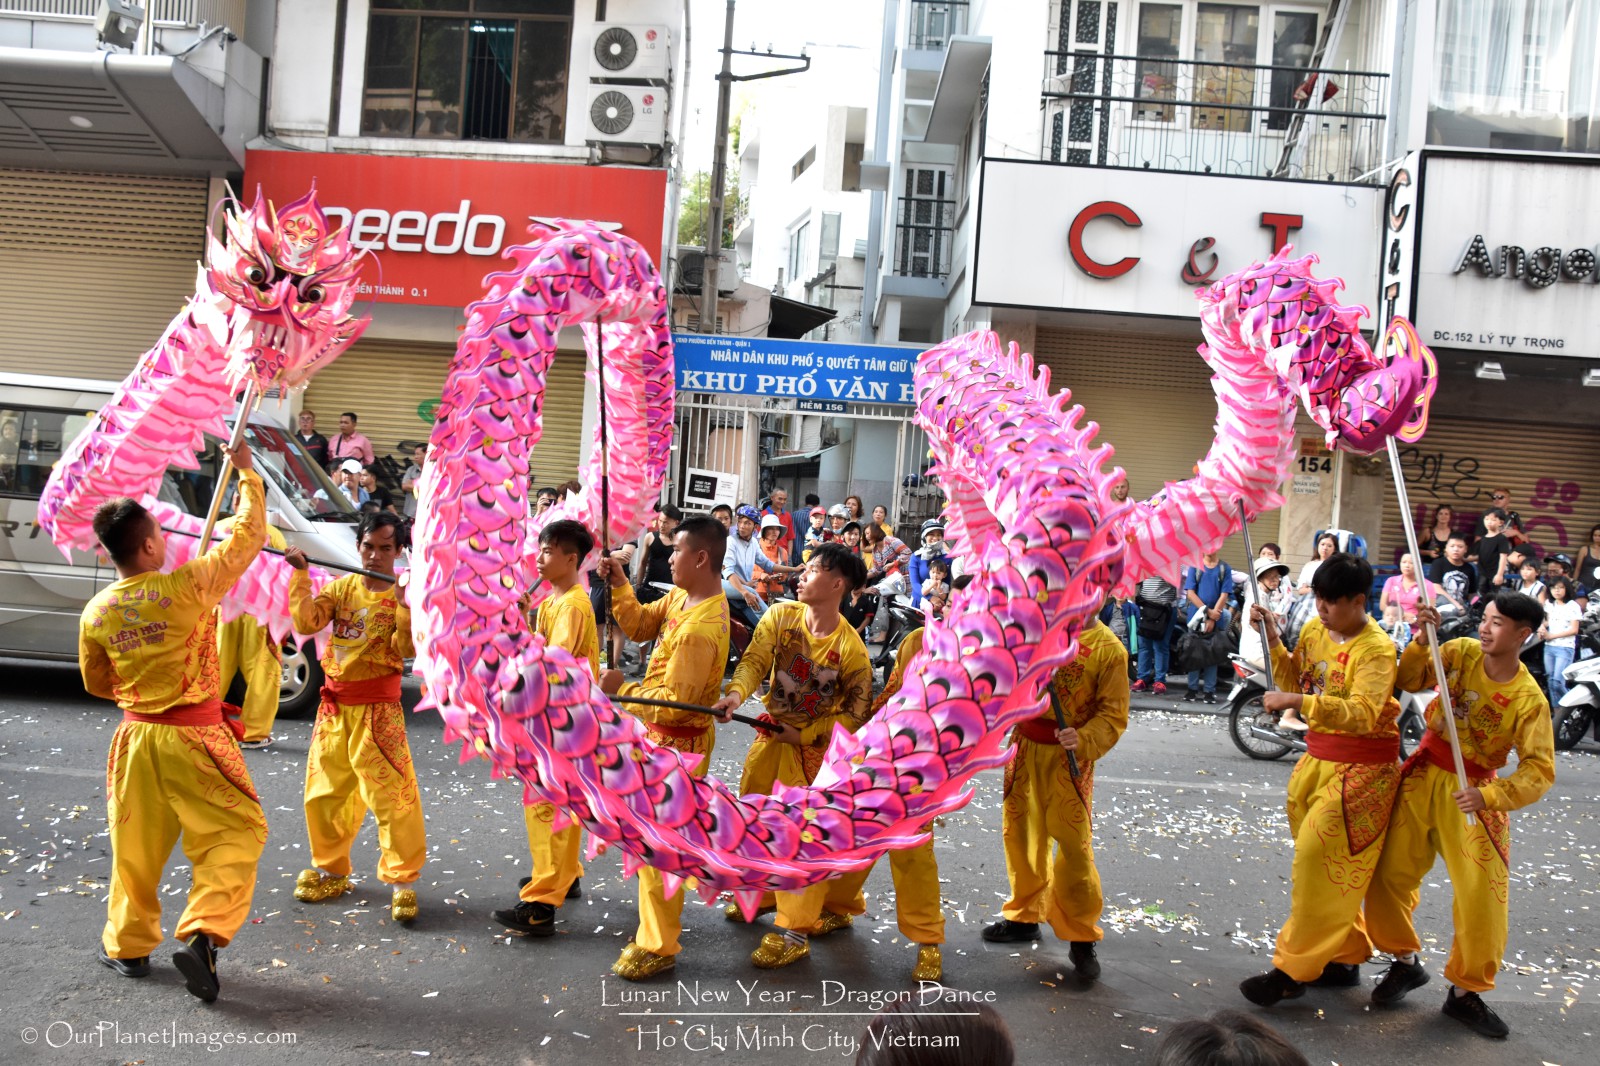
{"x": 31, "y": 440}
{"x": 1219, "y": 54}
{"x": 438, "y": 69}
{"x": 803, "y": 164}
{"x": 798, "y": 240}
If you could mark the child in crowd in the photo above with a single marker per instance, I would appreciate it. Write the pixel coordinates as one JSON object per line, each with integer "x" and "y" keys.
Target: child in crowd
{"x": 935, "y": 591}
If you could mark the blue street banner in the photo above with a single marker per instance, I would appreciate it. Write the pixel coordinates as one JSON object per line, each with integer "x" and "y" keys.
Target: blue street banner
{"x": 811, "y": 373}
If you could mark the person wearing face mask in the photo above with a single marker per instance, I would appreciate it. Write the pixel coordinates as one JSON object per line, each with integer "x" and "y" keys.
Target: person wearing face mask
{"x": 933, "y": 550}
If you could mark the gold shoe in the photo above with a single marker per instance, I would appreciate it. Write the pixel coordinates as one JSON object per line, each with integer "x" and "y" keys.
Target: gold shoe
{"x": 734, "y": 914}
{"x": 831, "y": 922}
{"x": 314, "y": 886}
{"x": 778, "y": 950}
{"x": 930, "y": 964}
{"x": 403, "y": 907}
{"x": 637, "y": 964}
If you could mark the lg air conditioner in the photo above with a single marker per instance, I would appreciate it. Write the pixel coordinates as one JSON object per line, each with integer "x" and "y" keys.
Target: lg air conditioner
{"x": 631, "y": 52}
{"x": 627, "y": 114}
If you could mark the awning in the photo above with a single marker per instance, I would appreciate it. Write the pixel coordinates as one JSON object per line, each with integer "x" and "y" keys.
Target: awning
{"x": 793, "y": 319}
{"x": 798, "y": 459}
{"x": 109, "y": 111}
{"x": 960, "y": 79}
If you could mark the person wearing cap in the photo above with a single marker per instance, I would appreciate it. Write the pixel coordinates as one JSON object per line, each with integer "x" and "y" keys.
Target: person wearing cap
{"x": 348, "y": 478}
{"x": 777, "y": 504}
{"x": 933, "y": 549}
{"x": 816, "y": 532}
{"x": 1276, "y": 595}
{"x": 773, "y": 568}
{"x": 739, "y": 568}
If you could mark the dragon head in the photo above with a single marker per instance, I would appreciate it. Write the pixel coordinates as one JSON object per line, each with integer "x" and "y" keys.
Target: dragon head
{"x": 281, "y": 284}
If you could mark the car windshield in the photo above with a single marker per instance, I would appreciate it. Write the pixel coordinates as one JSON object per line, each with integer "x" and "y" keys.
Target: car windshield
{"x": 280, "y": 459}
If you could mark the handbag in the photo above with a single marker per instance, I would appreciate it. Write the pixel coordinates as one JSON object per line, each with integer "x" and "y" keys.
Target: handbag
{"x": 1153, "y": 618}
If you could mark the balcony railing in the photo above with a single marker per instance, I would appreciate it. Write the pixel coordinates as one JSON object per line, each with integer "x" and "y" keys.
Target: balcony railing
{"x": 185, "y": 13}
{"x": 1180, "y": 115}
{"x": 923, "y": 233}
{"x": 934, "y": 22}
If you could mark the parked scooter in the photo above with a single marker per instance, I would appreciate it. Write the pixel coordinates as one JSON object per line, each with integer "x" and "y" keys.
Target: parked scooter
{"x": 1579, "y": 711}
{"x": 903, "y": 618}
{"x": 1255, "y": 730}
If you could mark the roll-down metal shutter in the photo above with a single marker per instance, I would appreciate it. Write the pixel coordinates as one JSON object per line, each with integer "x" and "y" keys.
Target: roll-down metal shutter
{"x": 93, "y": 267}
{"x": 392, "y": 386}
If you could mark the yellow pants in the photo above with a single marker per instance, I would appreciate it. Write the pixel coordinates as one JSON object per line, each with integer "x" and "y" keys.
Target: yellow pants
{"x": 1426, "y": 824}
{"x": 661, "y": 918}
{"x": 916, "y": 897}
{"x": 164, "y": 781}
{"x": 360, "y": 761}
{"x": 245, "y": 645}
{"x": 768, "y": 763}
{"x": 1044, "y": 807}
{"x": 555, "y": 856}
{"x": 1339, "y": 814}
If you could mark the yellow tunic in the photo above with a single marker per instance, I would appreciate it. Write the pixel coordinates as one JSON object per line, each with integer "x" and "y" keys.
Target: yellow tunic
{"x": 360, "y": 759}
{"x": 686, "y": 667}
{"x": 244, "y": 645}
{"x": 1044, "y": 806}
{"x": 149, "y": 642}
{"x": 817, "y": 683}
{"x": 1492, "y": 718}
{"x": 564, "y": 621}
{"x": 1338, "y": 811}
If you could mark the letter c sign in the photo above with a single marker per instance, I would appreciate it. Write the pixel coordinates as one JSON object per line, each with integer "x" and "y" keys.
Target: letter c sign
{"x": 1089, "y": 265}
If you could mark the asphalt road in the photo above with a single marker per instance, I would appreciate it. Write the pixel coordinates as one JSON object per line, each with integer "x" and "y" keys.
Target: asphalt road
{"x": 1193, "y": 852}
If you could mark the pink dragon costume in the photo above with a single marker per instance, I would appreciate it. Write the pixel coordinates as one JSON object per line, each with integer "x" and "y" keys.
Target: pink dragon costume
{"x": 1029, "y": 503}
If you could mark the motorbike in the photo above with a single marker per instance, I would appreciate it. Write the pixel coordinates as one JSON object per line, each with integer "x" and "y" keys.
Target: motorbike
{"x": 1255, "y": 730}
{"x": 903, "y": 618}
{"x": 1579, "y": 711}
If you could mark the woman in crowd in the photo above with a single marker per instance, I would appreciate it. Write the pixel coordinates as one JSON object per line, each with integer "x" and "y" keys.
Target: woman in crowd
{"x": 890, "y": 558}
{"x": 1401, "y": 595}
{"x": 1327, "y": 544}
{"x": 1432, "y": 546}
{"x": 1273, "y": 579}
{"x": 880, "y": 516}
{"x": 857, "y": 508}
{"x": 1271, "y": 551}
{"x": 773, "y": 569}
{"x": 1587, "y": 566}
{"x": 1560, "y": 632}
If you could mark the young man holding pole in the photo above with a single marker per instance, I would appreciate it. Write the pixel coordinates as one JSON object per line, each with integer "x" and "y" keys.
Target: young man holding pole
{"x": 690, "y": 627}
{"x": 149, "y": 642}
{"x": 1341, "y": 681}
{"x": 820, "y": 677}
{"x": 1049, "y": 801}
{"x": 1498, "y": 708}
{"x": 565, "y": 620}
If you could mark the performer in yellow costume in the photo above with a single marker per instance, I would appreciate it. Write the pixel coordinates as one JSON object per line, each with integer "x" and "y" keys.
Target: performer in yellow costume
{"x": 245, "y": 645}
{"x": 820, "y": 677}
{"x": 1498, "y": 707}
{"x": 1341, "y": 680}
{"x": 149, "y": 642}
{"x": 1045, "y": 804}
{"x": 359, "y": 757}
{"x": 565, "y": 620}
{"x": 690, "y": 627}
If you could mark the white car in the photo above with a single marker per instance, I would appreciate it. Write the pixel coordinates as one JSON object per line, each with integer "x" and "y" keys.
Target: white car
{"x": 42, "y": 594}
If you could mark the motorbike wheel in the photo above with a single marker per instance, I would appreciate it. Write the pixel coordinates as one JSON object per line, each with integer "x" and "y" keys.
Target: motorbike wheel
{"x": 1571, "y": 725}
{"x": 1247, "y": 709}
{"x": 1411, "y": 729}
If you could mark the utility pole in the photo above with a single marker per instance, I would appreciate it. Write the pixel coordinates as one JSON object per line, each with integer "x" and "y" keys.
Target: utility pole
{"x": 719, "y": 165}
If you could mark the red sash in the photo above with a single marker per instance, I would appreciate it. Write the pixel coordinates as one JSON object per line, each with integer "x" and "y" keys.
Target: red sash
{"x": 1369, "y": 751}
{"x": 1039, "y": 730}
{"x": 676, "y": 732}
{"x": 1435, "y": 749}
{"x": 385, "y": 689}
{"x": 209, "y": 712}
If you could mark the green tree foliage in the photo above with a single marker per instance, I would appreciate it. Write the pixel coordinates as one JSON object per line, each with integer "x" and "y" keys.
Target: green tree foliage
{"x": 695, "y": 210}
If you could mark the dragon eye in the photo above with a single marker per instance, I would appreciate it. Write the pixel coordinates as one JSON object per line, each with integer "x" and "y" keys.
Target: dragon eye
{"x": 314, "y": 294}
{"x": 255, "y": 275}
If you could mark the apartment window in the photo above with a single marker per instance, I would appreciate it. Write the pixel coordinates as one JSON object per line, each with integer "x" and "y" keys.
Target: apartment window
{"x": 491, "y": 70}
{"x": 799, "y": 237}
{"x": 803, "y": 164}
{"x": 1210, "y": 53}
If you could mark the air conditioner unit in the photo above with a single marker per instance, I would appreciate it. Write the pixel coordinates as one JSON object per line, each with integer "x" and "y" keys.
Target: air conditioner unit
{"x": 692, "y": 270}
{"x": 636, "y": 53}
{"x": 627, "y": 114}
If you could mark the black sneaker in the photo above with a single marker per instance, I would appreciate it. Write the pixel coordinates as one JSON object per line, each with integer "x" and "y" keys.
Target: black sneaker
{"x": 1191, "y": 696}
{"x": 1210, "y": 697}
{"x": 1005, "y": 931}
{"x": 1083, "y": 959}
{"x": 534, "y": 919}
{"x": 574, "y": 891}
{"x": 1268, "y": 988}
{"x": 1469, "y": 1010}
{"x": 1397, "y": 980}
{"x": 1339, "y": 975}
{"x": 139, "y": 967}
{"x": 197, "y": 961}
